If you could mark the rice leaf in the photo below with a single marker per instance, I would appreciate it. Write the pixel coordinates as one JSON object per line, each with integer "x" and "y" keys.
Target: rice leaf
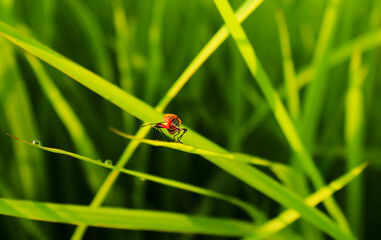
{"x": 121, "y": 218}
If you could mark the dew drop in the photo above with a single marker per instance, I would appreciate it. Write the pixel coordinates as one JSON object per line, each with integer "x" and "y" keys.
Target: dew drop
{"x": 142, "y": 179}
{"x": 37, "y": 142}
{"x": 108, "y": 162}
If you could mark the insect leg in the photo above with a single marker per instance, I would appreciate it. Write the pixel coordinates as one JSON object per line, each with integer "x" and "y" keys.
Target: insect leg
{"x": 165, "y": 136}
{"x": 157, "y": 131}
{"x": 184, "y": 131}
{"x": 175, "y": 135}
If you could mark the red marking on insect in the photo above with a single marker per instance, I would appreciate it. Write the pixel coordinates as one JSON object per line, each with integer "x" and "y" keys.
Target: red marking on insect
{"x": 172, "y": 123}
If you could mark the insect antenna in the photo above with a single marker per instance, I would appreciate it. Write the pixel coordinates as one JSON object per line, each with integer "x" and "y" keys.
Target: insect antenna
{"x": 150, "y": 124}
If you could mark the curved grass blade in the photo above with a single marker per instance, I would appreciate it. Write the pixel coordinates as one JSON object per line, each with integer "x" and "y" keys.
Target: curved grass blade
{"x": 198, "y": 151}
{"x": 155, "y": 54}
{"x": 249, "y": 209}
{"x": 354, "y": 138}
{"x": 123, "y": 52}
{"x": 29, "y": 227}
{"x": 288, "y": 66}
{"x": 289, "y": 216}
{"x": 122, "y": 218}
{"x": 286, "y": 174}
{"x": 314, "y": 93}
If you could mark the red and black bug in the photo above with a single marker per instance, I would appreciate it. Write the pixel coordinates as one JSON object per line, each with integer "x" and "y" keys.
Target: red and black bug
{"x": 172, "y": 123}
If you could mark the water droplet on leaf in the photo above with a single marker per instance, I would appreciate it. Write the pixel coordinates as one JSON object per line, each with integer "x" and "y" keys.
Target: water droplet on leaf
{"x": 108, "y": 162}
{"x": 37, "y": 142}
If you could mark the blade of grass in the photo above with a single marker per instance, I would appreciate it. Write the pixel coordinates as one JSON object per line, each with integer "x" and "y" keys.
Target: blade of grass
{"x": 172, "y": 145}
{"x": 283, "y": 172}
{"x": 123, "y": 218}
{"x": 122, "y": 43}
{"x": 277, "y": 106}
{"x": 297, "y": 182}
{"x": 35, "y": 13}
{"x": 288, "y": 67}
{"x": 250, "y": 210}
{"x": 261, "y": 109}
{"x": 155, "y": 60}
{"x": 30, "y": 227}
{"x": 314, "y": 94}
{"x": 354, "y": 122}
{"x": 236, "y": 102}
{"x": 289, "y": 216}
{"x": 364, "y": 42}
{"x": 194, "y": 150}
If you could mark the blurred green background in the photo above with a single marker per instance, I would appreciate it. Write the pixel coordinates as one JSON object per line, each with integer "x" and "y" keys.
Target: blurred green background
{"x": 143, "y": 46}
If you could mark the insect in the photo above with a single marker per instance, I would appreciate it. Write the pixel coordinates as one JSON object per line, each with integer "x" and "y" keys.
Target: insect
{"x": 172, "y": 123}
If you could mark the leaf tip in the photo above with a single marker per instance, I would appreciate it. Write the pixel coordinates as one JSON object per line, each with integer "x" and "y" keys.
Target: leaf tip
{"x": 16, "y": 138}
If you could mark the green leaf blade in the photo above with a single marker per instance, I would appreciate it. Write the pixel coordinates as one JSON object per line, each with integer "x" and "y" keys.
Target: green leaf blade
{"x": 123, "y": 218}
